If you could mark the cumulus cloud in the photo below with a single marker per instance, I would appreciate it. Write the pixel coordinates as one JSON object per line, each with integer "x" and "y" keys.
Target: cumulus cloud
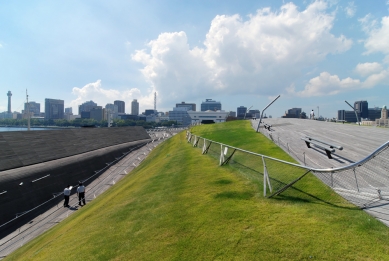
{"x": 326, "y": 84}
{"x": 378, "y": 35}
{"x": 95, "y": 92}
{"x": 350, "y": 9}
{"x": 365, "y": 69}
{"x": 260, "y": 55}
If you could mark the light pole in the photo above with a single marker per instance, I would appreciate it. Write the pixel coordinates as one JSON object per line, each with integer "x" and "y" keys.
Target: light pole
{"x": 318, "y": 112}
{"x": 260, "y": 119}
{"x": 356, "y": 115}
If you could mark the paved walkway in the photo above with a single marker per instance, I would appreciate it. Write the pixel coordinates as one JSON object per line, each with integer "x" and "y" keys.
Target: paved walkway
{"x": 104, "y": 181}
{"x": 358, "y": 142}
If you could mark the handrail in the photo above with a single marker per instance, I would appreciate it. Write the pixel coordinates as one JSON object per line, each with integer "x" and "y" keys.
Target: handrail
{"x": 351, "y": 166}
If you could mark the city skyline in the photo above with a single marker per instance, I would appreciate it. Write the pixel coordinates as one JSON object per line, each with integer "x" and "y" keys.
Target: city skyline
{"x": 312, "y": 53}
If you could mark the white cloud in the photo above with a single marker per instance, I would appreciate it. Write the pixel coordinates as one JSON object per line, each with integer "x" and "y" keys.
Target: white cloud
{"x": 262, "y": 55}
{"x": 365, "y": 69}
{"x": 327, "y": 84}
{"x": 378, "y": 36}
{"x": 350, "y": 9}
{"x": 95, "y": 92}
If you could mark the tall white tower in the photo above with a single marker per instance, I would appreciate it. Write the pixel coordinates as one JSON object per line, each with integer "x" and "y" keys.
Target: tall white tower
{"x": 9, "y": 94}
{"x": 155, "y": 101}
{"x": 135, "y": 107}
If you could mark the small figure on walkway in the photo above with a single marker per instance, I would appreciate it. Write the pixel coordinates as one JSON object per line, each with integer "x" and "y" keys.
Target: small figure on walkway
{"x": 312, "y": 115}
{"x": 81, "y": 194}
{"x": 66, "y": 194}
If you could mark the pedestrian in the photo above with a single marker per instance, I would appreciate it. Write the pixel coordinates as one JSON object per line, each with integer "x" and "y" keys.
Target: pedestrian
{"x": 312, "y": 115}
{"x": 81, "y": 194}
{"x": 66, "y": 195}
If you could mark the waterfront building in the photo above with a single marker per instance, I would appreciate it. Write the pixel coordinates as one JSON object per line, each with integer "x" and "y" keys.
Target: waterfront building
{"x": 86, "y": 106}
{"x": 33, "y": 107}
{"x": 211, "y": 105}
{"x": 111, "y": 109}
{"x": 135, "y": 107}
{"x": 54, "y": 109}
{"x": 121, "y": 106}
{"x": 9, "y": 94}
{"x": 96, "y": 113}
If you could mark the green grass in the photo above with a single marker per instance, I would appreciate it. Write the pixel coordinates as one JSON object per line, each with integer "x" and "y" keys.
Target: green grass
{"x": 180, "y": 205}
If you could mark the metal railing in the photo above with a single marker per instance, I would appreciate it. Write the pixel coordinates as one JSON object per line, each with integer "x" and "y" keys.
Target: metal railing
{"x": 361, "y": 182}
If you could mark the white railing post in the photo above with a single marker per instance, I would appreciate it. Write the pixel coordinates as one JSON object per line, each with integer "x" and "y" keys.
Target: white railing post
{"x": 204, "y": 146}
{"x": 265, "y": 178}
{"x": 221, "y": 155}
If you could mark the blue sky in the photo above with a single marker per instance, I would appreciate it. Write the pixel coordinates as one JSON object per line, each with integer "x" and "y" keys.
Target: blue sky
{"x": 312, "y": 53}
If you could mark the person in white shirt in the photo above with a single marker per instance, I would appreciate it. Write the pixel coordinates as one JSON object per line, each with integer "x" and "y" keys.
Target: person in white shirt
{"x": 81, "y": 194}
{"x": 312, "y": 115}
{"x": 66, "y": 194}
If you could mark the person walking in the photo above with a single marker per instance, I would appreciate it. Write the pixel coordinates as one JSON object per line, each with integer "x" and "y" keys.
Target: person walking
{"x": 66, "y": 195}
{"x": 312, "y": 115}
{"x": 81, "y": 194}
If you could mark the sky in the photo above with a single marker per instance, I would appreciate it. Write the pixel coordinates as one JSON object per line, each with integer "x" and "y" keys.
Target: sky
{"x": 314, "y": 54}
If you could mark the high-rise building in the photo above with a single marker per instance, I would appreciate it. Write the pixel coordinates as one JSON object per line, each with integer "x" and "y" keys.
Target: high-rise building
{"x": 86, "y": 106}
{"x": 293, "y": 113}
{"x": 180, "y": 115}
{"x": 33, "y": 107}
{"x": 362, "y": 109}
{"x": 121, "y": 106}
{"x": 241, "y": 111}
{"x": 134, "y": 107}
{"x": 9, "y": 94}
{"x": 112, "y": 110}
{"x": 54, "y": 109}
{"x": 96, "y": 113}
{"x": 192, "y": 106}
{"x": 211, "y": 105}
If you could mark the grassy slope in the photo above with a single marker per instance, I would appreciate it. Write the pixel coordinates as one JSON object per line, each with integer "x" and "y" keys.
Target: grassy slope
{"x": 179, "y": 205}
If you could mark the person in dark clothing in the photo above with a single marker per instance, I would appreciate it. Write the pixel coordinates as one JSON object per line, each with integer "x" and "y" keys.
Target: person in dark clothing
{"x": 81, "y": 194}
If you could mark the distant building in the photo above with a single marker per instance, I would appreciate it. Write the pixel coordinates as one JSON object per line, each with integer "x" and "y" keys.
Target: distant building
{"x": 33, "y": 107}
{"x": 232, "y": 114}
{"x": 150, "y": 112}
{"x": 293, "y": 113}
{"x": 86, "y": 106}
{"x": 121, "y": 106}
{"x": 211, "y": 105}
{"x": 361, "y": 108}
{"x": 85, "y": 115}
{"x": 135, "y": 107}
{"x": 208, "y": 116}
{"x": 348, "y": 116}
{"x": 374, "y": 113}
{"x": 241, "y": 111}
{"x": 9, "y": 94}
{"x": 180, "y": 115}
{"x": 253, "y": 114}
{"x": 112, "y": 110}
{"x": 69, "y": 111}
{"x": 54, "y": 109}
{"x": 96, "y": 113}
{"x": 383, "y": 121}
{"x": 192, "y": 106}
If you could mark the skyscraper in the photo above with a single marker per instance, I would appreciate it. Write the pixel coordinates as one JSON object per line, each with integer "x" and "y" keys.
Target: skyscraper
{"x": 362, "y": 109}
{"x": 135, "y": 107}
{"x": 9, "y": 94}
{"x": 54, "y": 109}
{"x": 121, "y": 106}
